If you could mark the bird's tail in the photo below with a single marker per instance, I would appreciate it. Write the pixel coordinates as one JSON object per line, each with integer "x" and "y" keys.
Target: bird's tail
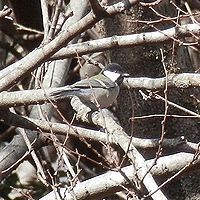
{"x": 63, "y": 92}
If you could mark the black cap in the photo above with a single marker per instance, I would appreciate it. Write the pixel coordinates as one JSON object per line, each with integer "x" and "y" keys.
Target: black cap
{"x": 114, "y": 67}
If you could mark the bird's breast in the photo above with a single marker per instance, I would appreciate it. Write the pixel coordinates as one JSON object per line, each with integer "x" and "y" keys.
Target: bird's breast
{"x": 105, "y": 97}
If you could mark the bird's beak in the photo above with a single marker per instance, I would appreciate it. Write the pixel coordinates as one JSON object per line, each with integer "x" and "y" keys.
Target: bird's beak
{"x": 125, "y": 75}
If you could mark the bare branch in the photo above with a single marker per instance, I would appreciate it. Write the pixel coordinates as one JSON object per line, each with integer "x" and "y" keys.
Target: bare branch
{"x": 114, "y": 179}
{"x": 115, "y": 42}
{"x": 20, "y": 69}
{"x": 123, "y": 141}
{"x": 97, "y": 9}
{"x": 183, "y": 81}
{"x": 178, "y": 144}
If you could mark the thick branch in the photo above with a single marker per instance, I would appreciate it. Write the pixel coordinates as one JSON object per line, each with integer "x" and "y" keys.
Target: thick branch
{"x": 97, "y": 9}
{"x": 111, "y": 182}
{"x": 185, "y": 80}
{"x": 178, "y": 144}
{"x": 54, "y": 76}
{"x": 182, "y": 81}
{"x": 115, "y": 42}
{"x": 123, "y": 140}
{"x": 23, "y": 67}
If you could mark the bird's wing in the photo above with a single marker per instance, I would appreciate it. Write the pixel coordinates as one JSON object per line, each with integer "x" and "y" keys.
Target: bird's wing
{"x": 78, "y": 88}
{"x": 98, "y": 81}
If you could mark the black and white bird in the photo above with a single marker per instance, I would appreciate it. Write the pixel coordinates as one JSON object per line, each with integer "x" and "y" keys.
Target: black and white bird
{"x": 101, "y": 89}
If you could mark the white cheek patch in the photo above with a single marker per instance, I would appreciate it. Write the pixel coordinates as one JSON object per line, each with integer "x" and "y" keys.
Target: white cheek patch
{"x": 112, "y": 75}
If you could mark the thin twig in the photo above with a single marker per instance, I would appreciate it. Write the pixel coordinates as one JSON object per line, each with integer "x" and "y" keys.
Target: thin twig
{"x": 40, "y": 170}
{"x": 177, "y": 106}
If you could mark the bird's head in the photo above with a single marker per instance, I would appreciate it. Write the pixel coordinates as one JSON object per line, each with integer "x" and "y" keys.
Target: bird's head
{"x": 115, "y": 73}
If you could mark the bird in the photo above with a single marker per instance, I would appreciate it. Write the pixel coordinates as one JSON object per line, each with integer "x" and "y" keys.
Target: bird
{"x": 98, "y": 91}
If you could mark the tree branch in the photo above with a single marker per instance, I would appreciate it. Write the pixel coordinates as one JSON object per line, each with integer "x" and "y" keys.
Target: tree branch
{"x": 23, "y": 67}
{"x": 27, "y": 97}
{"x": 123, "y": 140}
{"x": 177, "y": 144}
{"x": 112, "y": 181}
{"x": 115, "y": 41}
